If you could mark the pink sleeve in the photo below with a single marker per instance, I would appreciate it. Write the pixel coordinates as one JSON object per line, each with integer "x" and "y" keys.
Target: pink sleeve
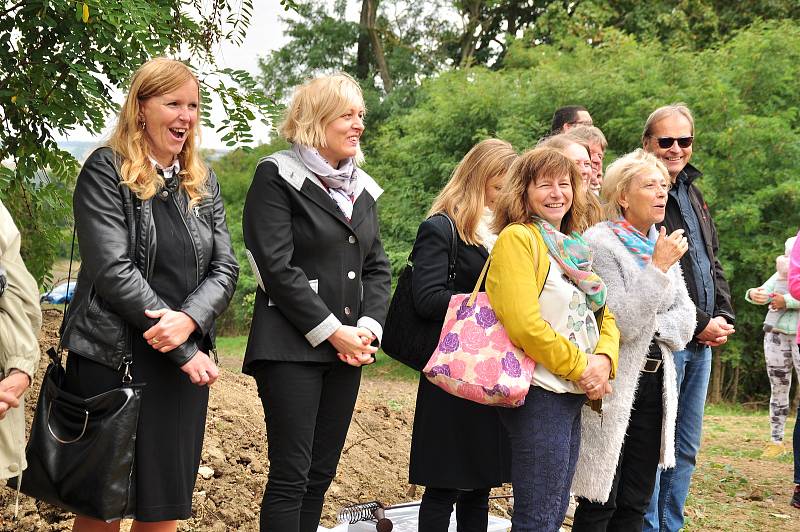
{"x": 794, "y": 269}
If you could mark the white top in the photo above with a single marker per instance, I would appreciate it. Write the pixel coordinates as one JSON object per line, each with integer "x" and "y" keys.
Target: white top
{"x": 563, "y": 306}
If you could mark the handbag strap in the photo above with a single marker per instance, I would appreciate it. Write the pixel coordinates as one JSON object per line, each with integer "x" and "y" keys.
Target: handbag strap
{"x": 55, "y": 353}
{"x": 451, "y": 267}
{"x": 452, "y": 255}
{"x": 479, "y": 282}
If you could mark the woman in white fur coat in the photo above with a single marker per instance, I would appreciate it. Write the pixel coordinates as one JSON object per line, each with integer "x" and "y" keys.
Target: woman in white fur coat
{"x": 620, "y": 455}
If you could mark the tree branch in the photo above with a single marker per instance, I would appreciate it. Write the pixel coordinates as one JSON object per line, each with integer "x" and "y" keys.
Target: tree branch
{"x": 12, "y": 8}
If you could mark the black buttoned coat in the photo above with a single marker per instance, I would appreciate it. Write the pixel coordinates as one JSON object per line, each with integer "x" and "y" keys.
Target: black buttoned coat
{"x": 316, "y": 270}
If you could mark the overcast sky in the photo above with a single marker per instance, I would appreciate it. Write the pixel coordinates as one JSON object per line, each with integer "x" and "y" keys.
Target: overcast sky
{"x": 265, "y": 34}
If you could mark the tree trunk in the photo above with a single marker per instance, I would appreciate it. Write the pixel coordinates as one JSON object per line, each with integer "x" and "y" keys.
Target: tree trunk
{"x": 362, "y": 55}
{"x": 369, "y": 13}
{"x": 717, "y": 372}
{"x": 472, "y": 11}
{"x": 735, "y": 389}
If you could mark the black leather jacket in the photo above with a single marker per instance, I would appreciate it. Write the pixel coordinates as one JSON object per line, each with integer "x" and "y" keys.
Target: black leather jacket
{"x": 117, "y": 243}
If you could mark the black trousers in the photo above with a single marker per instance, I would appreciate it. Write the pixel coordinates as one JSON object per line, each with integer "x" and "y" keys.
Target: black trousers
{"x": 636, "y": 470}
{"x": 307, "y": 409}
{"x": 472, "y": 510}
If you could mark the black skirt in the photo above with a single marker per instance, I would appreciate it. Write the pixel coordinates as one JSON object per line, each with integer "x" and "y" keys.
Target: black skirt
{"x": 456, "y": 443}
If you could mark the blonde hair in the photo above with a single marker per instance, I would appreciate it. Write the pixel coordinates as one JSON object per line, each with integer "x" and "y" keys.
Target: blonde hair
{"x": 129, "y": 141}
{"x": 622, "y": 172}
{"x": 533, "y": 165}
{"x": 561, "y": 142}
{"x": 316, "y": 104}
{"x": 464, "y": 196}
{"x": 661, "y": 113}
{"x": 587, "y": 135}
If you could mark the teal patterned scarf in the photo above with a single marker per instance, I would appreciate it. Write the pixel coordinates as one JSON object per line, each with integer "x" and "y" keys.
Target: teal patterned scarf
{"x": 575, "y": 258}
{"x": 634, "y": 240}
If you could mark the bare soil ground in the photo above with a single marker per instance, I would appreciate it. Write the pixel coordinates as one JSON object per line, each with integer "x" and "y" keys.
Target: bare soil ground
{"x": 734, "y": 488}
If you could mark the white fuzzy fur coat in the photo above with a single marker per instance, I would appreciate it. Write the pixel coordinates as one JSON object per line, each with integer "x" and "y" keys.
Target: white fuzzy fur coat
{"x": 645, "y": 302}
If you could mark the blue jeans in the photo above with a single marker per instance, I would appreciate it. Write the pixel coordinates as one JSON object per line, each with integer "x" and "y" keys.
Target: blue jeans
{"x": 545, "y": 436}
{"x": 665, "y": 514}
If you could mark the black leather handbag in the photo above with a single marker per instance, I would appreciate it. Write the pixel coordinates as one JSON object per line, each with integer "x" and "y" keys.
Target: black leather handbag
{"x": 408, "y": 337}
{"x": 81, "y": 451}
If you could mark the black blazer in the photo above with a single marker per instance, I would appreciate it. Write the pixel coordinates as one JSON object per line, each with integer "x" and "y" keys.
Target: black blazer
{"x": 468, "y": 434}
{"x": 315, "y": 269}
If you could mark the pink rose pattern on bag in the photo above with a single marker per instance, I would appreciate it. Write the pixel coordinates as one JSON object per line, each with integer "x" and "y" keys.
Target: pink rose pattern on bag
{"x": 469, "y": 360}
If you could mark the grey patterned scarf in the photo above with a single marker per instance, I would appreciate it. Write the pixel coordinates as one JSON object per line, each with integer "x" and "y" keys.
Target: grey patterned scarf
{"x": 341, "y": 182}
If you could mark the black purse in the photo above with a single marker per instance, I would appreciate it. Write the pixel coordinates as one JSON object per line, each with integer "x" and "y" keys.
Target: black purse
{"x": 408, "y": 337}
{"x": 81, "y": 452}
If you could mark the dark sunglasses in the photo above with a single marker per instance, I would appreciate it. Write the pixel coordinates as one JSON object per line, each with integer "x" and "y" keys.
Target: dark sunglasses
{"x": 667, "y": 142}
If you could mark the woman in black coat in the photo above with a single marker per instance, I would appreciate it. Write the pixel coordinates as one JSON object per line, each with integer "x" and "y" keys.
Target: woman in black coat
{"x": 459, "y": 450}
{"x": 311, "y": 231}
{"x": 157, "y": 269}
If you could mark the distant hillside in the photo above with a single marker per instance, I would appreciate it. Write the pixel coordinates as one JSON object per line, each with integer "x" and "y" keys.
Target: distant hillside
{"x": 78, "y": 148}
{"x": 81, "y": 149}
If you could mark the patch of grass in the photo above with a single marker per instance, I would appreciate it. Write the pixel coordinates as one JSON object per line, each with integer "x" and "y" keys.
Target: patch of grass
{"x": 388, "y": 368}
{"x": 231, "y": 346}
{"x": 733, "y": 409}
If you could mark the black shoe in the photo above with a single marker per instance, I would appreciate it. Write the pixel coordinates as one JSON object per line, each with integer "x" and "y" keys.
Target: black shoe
{"x": 796, "y": 497}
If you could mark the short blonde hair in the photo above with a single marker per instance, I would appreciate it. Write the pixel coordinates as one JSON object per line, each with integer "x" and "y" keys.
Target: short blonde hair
{"x": 622, "y": 172}
{"x": 661, "y": 113}
{"x": 464, "y": 196}
{"x": 533, "y": 165}
{"x": 128, "y": 140}
{"x": 561, "y": 142}
{"x": 316, "y": 104}
{"x": 587, "y": 135}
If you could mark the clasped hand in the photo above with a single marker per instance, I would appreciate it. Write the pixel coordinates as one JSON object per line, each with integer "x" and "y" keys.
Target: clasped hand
{"x": 594, "y": 380}
{"x": 173, "y": 329}
{"x": 353, "y": 345}
{"x": 716, "y": 332}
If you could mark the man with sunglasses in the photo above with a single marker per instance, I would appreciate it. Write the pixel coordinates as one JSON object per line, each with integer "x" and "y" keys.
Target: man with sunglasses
{"x": 669, "y": 134}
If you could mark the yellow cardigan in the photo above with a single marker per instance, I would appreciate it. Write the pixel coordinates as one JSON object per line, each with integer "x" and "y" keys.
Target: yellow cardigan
{"x": 517, "y": 274}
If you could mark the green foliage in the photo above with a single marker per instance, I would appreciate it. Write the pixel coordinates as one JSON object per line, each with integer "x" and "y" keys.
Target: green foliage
{"x": 747, "y": 123}
{"x": 60, "y": 62}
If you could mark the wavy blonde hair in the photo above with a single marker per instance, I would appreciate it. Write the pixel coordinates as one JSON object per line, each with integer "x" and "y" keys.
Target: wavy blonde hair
{"x": 316, "y": 104}
{"x": 540, "y": 163}
{"x": 464, "y": 196}
{"x": 128, "y": 140}
{"x": 622, "y": 172}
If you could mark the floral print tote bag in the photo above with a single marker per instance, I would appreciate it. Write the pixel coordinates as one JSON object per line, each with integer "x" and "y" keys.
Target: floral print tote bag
{"x": 475, "y": 358}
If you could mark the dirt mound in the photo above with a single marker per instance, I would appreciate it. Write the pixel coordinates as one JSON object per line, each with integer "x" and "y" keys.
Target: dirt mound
{"x": 374, "y": 463}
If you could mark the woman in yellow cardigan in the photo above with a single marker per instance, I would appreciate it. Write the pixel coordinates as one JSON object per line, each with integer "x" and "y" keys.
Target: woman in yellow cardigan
{"x": 552, "y": 305}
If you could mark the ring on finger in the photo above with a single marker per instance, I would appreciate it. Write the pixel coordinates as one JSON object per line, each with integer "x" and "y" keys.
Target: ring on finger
{"x": 154, "y": 341}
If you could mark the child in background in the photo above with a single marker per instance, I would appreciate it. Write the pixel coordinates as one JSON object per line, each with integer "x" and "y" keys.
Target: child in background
{"x": 780, "y": 349}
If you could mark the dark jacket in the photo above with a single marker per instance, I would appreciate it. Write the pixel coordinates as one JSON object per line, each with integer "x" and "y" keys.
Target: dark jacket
{"x": 455, "y": 443}
{"x": 315, "y": 269}
{"x": 674, "y": 220}
{"x": 117, "y": 241}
